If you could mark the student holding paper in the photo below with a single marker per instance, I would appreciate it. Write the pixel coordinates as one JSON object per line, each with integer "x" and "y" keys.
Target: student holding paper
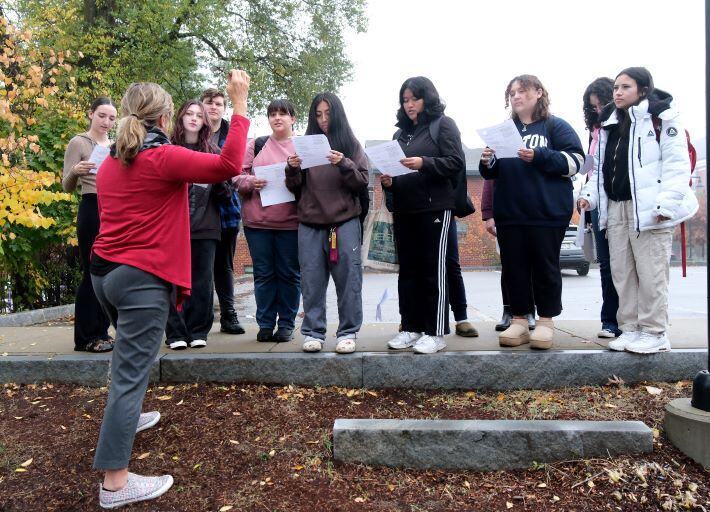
{"x": 641, "y": 188}
{"x": 329, "y": 229}
{"x": 90, "y": 321}
{"x": 272, "y": 231}
{"x": 191, "y": 326}
{"x": 422, "y": 205}
{"x": 532, "y": 208}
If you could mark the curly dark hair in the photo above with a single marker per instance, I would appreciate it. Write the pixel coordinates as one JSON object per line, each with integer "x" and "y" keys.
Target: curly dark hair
{"x": 421, "y": 88}
{"x": 603, "y": 89}
{"x": 542, "y": 109}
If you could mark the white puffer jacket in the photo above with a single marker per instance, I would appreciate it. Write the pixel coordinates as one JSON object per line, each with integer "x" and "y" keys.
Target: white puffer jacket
{"x": 659, "y": 173}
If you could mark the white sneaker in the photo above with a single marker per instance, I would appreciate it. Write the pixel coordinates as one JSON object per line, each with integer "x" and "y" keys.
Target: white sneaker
{"x": 147, "y": 420}
{"x": 648, "y": 343}
{"x": 606, "y": 333}
{"x": 403, "y": 340}
{"x": 178, "y": 345}
{"x": 198, "y": 343}
{"x": 311, "y": 344}
{"x": 620, "y": 343}
{"x": 346, "y": 344}
{"x": 138, "y": 488}
{"x": 429, "y": 344}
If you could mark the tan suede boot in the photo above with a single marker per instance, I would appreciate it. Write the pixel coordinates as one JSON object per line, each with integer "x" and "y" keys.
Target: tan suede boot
{"x": 515, "y": 335}
{"x": 543, "y": 335}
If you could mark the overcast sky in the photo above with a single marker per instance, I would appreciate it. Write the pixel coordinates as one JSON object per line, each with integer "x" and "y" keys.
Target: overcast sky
{"x": 470, "y": 50}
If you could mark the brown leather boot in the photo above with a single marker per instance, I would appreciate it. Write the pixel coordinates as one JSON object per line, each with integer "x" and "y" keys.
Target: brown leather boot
{"x": 515, "y": 335}
{"x": 542, "y": 337}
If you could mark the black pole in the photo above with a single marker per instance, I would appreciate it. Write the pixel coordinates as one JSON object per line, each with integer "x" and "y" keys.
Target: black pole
{"x": 701, "y": 384}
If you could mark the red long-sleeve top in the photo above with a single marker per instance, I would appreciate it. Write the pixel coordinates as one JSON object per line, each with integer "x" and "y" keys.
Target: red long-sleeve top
{"x": 143, "y": 207}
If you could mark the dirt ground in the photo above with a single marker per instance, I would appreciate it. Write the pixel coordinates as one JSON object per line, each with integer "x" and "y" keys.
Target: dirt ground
{"x": 260, "y": 448}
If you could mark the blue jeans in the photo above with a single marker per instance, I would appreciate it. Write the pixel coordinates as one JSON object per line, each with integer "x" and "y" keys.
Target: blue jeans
{"x": 277, "y": 275}
{"x": 610, "y": 300}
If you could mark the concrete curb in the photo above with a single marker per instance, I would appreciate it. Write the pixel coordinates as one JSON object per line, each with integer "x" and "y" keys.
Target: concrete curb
{"x": 483, "y": 445}
{"x": 36, "y": 316}
{"x": 485, "y": 370}
{"x": 78, "y": 369}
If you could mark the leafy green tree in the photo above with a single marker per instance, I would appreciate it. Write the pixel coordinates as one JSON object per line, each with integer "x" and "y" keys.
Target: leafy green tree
{"x": 292, "y": 48}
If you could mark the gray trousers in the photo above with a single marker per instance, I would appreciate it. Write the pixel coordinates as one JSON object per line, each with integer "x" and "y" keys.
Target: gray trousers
{"x": 137, "y": 304}
{"x": 316, "y": 269}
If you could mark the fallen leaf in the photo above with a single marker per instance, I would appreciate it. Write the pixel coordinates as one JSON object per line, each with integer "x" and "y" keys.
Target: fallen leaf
{"x": 615, "y": 381}
{"x": 470, "y": 394}
{"x": 355, "y": 403}
{"x": 542, "y": 485}
{"x": 692, "y": 487}
{"x": 501, "y": 397}
{"x": 233, "y": 441}
{"x": 26, "y": 463}
{"x": 20, "y": 470}
{"x": 617, "y": 495}
{"x": 225, "y": 508}
{"x": 614, "y": 476}
{"x": 197, "y": 466}
{"x": 653, "y": 391}
{"x": 350, "y": 393}
{"x": 272, "y": 453}
{"x": 180, "y": 402}
{"x": 467, "y": 484}
{"x": 62, "y": 427}
{"x": 359, "y": 500}
{"x": 656, "y": 433}
{"x": 143, "y": 456}
{"x": 610, "y": 406}
{"x": 508, "y": 505}
{"x": 165, "y": 397}
{"x": 18, "y": 417}
{"x": 391, "y": 487}
{"x": 590, "y": 483}
{"x": 297, "y": 468}
{"x": 555, "y": 498}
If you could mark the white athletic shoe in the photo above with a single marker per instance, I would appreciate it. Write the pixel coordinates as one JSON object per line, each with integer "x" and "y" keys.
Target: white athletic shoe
{"x": 620, "y": 343}
{"x": 404, "y": 340}
{"x": 648, "y": 343}
{"x": 178, "y": 345}
{"x": 606, "y": 333}
{"x": 198, "y": 343}
{"x": 346, "y": 344}
{"x": 311, "y": 344}
{"x": 138, "y": 488}
{"x": 429, "y": 344}
{"x": 147, "y": 420}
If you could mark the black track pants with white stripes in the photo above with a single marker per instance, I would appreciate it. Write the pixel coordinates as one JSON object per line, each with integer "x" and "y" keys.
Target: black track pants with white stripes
{"x": 423, "y": 293}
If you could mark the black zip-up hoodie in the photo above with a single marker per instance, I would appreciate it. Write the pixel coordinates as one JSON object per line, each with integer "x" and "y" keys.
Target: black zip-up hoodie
{"x": 616, "y": 155}
{"x": 430, "y": 189}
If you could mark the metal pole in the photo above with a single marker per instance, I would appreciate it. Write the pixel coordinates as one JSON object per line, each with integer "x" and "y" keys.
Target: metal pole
{"x": 701, "y": 384}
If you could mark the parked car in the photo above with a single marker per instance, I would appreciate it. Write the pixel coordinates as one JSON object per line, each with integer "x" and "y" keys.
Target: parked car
{"x": 571, "y": 256}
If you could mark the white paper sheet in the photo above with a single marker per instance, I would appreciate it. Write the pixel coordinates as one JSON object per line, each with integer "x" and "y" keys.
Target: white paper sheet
{"x": 312, "y": 149}
{"x": 386, "y": 157}
{"x": 581, "y": 226}
{"x": 275, "y": 191}
{"x": 587, "y": 165}
{"x": 503, "y": 138}
{"x": 98, "y": 155}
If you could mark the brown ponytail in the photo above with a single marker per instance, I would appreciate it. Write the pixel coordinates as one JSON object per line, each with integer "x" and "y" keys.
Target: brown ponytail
{"x": 142, "y": 107}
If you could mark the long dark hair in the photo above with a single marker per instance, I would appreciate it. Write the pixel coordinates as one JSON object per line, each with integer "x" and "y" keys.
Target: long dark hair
{"x": 204, "y": 136}
{"x": 542, "y": 108}
{"x": 340, "y": 135}
{"x": 603, "y": 89}
{"x": 644, "y": 83}
{"x": 422, "y": 89}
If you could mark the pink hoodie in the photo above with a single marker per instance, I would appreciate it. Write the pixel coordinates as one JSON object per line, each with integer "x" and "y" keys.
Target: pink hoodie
{"x": 279, "y": 216}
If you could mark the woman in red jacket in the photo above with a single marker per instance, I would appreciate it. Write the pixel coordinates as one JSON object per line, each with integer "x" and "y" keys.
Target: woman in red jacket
{"x": 141, "y": 253}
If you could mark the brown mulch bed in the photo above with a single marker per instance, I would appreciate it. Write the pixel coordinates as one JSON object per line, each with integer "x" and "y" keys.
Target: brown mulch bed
{"x": 260, "y": 448}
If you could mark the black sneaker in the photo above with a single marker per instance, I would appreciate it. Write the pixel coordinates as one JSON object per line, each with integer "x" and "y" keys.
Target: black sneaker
{"x": 283, "y": 335}
{"x": 265, "y": 334}
{"x": 231, "y": 325}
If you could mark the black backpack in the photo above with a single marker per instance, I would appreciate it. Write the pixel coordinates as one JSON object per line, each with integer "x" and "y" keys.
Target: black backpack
{"x": 363, "y": 195}
{"x": 463, "y": 205}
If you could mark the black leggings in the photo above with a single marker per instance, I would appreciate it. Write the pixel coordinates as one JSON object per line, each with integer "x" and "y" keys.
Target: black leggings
{"x": 90, "y": 321}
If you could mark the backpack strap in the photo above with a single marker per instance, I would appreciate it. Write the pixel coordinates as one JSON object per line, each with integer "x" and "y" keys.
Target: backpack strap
{"x": 259, "y": 144}
{"x": 434, "y": 128}
{"x": 549, "y": 129}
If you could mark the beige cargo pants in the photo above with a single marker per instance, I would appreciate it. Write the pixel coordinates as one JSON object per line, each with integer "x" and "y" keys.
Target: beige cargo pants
{"x": 639, "y": 268}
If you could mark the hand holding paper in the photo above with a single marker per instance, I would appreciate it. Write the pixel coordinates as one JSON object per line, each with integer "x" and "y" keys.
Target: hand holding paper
{"x": 387, "y": 158}
{"x": 98, "y": 155}
{"x": 313, "y": 150}
{"x": 274, "y": 190}
{"x": 503, "y": 138}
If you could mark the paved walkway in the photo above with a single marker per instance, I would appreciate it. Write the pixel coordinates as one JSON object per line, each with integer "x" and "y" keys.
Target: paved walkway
{"x": 571, "y": 335}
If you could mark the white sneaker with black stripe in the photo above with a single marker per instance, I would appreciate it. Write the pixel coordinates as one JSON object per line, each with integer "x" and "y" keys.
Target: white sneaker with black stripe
{"x": 137, "y": 488}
